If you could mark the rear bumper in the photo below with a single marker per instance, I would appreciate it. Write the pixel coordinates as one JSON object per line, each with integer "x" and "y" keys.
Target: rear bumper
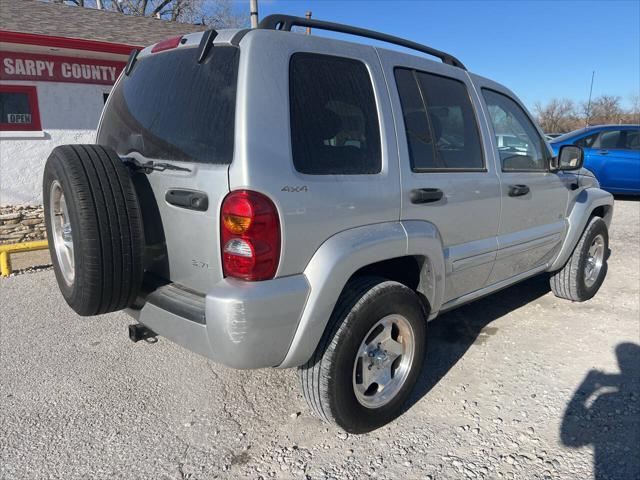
{"x": 239, "y": 324}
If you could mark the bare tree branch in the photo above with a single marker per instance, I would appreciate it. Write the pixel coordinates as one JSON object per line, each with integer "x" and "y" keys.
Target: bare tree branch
{"x": 215, "y": 13}
{"x": 604, "y": 109}
{"x": 160, "y": 6}
{"x": 557, "y": 116}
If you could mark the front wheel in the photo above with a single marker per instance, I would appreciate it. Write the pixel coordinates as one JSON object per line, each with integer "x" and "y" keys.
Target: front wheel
{"x": 583, "y": 274}
{"x": 369, "y": 357}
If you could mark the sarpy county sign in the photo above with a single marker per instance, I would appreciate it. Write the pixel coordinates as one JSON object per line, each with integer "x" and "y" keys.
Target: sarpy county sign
{"x": 51, "y": 68}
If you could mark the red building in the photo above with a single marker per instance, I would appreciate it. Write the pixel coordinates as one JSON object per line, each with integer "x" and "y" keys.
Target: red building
{"x": 57, "y": 66}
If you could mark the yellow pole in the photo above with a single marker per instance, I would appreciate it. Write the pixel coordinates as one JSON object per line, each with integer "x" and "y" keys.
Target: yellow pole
{"x": 5, "y": 265}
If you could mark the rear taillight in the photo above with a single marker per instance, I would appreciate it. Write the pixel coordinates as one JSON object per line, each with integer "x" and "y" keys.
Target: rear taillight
{"x": 250, "y": 236}
{"x": 166, "y": 44}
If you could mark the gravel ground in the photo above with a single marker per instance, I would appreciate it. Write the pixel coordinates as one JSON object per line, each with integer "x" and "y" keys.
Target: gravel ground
{"x": 518, "y": 385}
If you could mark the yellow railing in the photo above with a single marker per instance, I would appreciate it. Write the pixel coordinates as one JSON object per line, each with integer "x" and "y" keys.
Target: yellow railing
{"x": 6, "y": 250}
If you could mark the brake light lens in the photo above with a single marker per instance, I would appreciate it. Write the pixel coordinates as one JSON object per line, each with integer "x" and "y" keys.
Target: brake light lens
{"x": 250, "y": 236}
{"x": 166, "y": 44}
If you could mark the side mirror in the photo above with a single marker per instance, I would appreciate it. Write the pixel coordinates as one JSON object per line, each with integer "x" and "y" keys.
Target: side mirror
{"x": 570, "y": 157}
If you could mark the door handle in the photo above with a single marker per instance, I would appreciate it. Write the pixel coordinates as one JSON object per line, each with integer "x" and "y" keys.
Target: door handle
{"x": 518, "y": 190}
{"x": 604, "y": 152}
{"x": 191, "y": 199}
{"x": 425, "y": 195}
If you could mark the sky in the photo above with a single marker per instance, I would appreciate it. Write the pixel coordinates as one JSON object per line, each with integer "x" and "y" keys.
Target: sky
{"x": 539, "y": 49}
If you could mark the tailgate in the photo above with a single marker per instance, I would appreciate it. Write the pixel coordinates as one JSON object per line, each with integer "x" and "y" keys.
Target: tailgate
{"x": 177, "y": 115}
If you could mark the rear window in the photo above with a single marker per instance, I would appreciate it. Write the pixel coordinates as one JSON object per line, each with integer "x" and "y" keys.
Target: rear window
{"x": 334, "y": 121}
{"x": 171, "y": 107}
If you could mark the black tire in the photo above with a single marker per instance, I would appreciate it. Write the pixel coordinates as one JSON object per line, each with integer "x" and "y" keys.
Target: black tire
{"x": 106, "y": 227}
{"x": 569, "y": 282}
{"x": 327, "y": 378}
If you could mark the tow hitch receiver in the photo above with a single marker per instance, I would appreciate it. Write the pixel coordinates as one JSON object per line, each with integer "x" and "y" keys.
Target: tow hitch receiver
{"x": 138, "y": 332}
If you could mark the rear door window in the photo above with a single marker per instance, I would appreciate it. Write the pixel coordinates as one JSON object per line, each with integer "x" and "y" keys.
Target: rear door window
{"x": 334, "y": 120}
{"x": 633, "y": 140}
{"x": 612, "y": 139}
{"x": 440, "y": 123}
{"x": 619, "y": 140}
{"x": 172, "y": 107}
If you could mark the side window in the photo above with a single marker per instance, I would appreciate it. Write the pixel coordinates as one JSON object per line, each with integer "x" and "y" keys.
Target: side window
{"x": 421, "y": 151}
{"x": 612, "y": 139}
{"x": 633, "y": 139}
{"x": 334, "y": 121}
{"x": 586, "y": 142}
{"x": 440, "y": 124}
{"x": 525, "y": 150}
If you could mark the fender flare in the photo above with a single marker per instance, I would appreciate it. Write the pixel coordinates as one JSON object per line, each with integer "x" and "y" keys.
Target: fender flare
{"x": 345, "y": 253}
{"x": 585, "y": 203}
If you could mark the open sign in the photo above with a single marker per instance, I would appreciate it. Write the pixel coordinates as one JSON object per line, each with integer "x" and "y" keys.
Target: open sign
{"x": 19, "y": 118}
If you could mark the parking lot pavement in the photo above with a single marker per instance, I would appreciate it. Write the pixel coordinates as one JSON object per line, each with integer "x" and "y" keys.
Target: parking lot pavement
{"x": 518, "y": 385}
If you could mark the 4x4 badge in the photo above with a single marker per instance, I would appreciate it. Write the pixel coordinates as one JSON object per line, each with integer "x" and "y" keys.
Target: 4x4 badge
{"x": 291, "y": 189}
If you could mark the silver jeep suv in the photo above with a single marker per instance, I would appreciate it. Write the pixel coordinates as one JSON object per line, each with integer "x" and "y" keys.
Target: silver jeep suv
{"x": 271, "y": 199}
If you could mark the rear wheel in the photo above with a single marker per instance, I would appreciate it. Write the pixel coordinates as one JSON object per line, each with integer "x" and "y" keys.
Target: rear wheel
{"x": 369, "y": 357}
{"x": 583, "y": 274}
{"x": 94, "y": 226}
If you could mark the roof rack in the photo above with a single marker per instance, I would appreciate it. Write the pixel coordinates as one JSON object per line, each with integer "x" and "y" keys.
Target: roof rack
{"x": 287, "y": 22}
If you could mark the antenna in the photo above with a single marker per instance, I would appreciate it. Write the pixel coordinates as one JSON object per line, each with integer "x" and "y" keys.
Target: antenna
{"x": 593, "y": 74}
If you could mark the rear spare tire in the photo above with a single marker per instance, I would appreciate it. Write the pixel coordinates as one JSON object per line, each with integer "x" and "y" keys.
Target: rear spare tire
{"x": 94, "y": 226}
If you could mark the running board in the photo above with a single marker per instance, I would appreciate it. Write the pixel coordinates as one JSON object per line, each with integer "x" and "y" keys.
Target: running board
{"x": 483, "y": 292}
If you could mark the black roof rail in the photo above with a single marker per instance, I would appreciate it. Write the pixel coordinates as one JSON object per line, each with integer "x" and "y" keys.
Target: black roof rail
{"x": 287, "y": 22}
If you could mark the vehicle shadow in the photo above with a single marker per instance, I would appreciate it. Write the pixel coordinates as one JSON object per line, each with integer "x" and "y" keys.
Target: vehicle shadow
{"x": 626, "y": 198}
{"x": 605, "y": 413}
{"x": 451, "y": 334}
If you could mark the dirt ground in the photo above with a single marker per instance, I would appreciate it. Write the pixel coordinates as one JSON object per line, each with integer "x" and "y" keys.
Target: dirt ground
{"x": 519, "y": 385}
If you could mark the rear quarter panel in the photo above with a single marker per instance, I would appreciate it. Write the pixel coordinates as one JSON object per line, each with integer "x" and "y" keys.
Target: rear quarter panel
{"x": 263, "y": 162}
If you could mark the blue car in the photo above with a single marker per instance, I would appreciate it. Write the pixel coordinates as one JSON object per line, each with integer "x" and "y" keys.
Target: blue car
{"x": 611, "y": 152}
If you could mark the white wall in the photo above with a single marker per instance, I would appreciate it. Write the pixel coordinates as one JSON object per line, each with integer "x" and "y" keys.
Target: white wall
{"x": 69, "y": 113}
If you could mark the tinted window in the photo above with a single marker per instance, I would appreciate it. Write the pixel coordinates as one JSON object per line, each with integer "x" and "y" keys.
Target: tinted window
{"x": 612, "y": 139}
{"x": 421, "y": 150}
{"x": 620, "y": 140}
{"x": 633, "y": 139}
{"x": 586, "y": 142}
{"x": 14, "y": 108}
{"x": 440, "y": 123}
{"x": 509, "y": 119}
{"x": 172, "y": 107}
{"x": 334, "y": 122}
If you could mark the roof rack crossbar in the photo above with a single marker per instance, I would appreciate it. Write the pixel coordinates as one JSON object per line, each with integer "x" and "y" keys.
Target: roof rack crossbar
{"x": 287, "y": 22}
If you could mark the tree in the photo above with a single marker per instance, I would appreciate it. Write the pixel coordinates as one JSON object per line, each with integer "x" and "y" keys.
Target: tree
{"x": 603, "y": 109}
{"x": 558, "y": 116}
{"x": 214, "y": 13}
{"x": 634, "y": 113}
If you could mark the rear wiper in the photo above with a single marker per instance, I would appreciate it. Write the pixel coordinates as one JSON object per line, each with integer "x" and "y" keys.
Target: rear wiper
{"x": 149, "y": 166}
